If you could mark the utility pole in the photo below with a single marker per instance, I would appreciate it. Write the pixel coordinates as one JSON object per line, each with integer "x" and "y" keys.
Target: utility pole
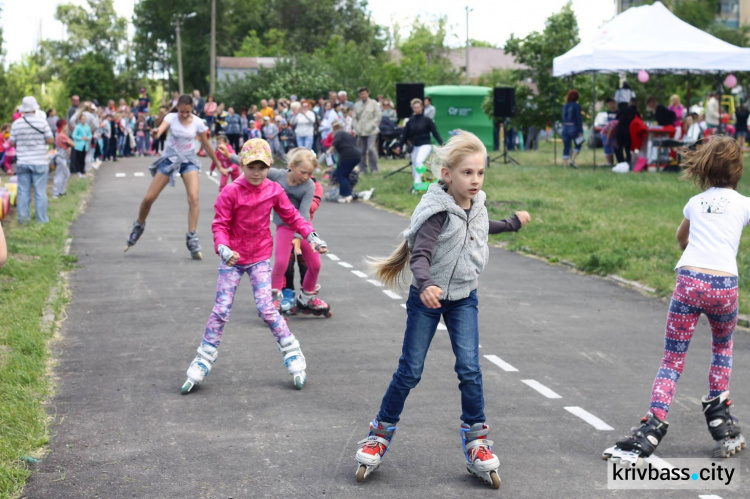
{"x": 178, "y": 18}
{"x": 212, "y": 80}
{"x": 467, "y": 42}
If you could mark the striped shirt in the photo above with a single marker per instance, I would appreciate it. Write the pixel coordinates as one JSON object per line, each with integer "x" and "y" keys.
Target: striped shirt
{"x": 31, "y": 146}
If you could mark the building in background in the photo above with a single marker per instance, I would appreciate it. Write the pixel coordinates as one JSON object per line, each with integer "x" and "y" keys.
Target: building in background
{"x": 238, "y": 67}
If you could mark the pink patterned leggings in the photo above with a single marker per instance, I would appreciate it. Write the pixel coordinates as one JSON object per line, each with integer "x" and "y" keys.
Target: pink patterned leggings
{"x": 229, "y": 279}
{"x": 696, "y": 293}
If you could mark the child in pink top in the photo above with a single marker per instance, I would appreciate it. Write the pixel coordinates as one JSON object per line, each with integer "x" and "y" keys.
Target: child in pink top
{"x": 230, "y": 169}
{"x": 242, "y": 237}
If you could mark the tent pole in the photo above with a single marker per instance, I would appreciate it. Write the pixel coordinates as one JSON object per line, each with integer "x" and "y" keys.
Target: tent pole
{"x": 593, "y": 115}
{"x": 552, "y": 119}
{"x": 688, "y": 93}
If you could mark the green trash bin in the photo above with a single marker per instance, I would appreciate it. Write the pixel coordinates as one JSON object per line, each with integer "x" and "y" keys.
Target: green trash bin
{"x": 460, "y": 106}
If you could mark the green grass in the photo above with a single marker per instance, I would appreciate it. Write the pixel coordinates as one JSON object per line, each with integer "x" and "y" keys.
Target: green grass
{"x": 35, "y": 260}
{"x": 604, "y": 223}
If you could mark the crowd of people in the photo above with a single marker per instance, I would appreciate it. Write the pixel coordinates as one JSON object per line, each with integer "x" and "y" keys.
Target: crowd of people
{"x": 624, "y": 128}
{"x": 90, "y": 133}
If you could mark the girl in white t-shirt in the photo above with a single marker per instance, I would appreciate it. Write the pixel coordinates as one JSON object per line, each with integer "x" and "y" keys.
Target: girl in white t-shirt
{"x": 179, "y": 156}
{"x": 706, "y": 284}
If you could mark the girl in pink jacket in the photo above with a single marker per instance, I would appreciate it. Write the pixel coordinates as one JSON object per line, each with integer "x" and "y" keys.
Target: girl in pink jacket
{"x": 242, "y": 238}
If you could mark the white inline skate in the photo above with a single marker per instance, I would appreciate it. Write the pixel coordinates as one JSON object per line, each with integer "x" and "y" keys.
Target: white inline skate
{"x": 372, "y": 449}
{"x": 724, "y": 427}
{"x": 200, "y": 367}
{"x": 294, "y": 360}
{"x": 480, "y": 461}
{"x": 629, "y": 451}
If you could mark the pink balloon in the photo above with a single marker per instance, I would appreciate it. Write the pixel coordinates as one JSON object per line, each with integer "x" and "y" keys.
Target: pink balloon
{"x": 643, "y": 76}
{"x": 730, "y": 81}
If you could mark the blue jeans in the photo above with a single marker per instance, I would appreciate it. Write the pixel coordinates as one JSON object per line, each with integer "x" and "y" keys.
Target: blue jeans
{"x": 28, "y": 176}
{"x": 461, "y": 319}
{"x": 569, "y": 134}
{"x": 343, "y": 170}
{"x": 305, "y": 141}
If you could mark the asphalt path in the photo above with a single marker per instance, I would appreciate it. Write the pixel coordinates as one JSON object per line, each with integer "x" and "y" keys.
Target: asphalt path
{"x": 120, "y": 427}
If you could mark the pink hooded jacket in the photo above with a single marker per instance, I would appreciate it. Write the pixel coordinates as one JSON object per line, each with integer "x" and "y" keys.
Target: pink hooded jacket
{"x": 243, "y": 218}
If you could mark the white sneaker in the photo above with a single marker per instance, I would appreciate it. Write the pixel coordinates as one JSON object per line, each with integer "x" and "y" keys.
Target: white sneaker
{"x": 366, "y": 195}
{"x": 345, "y": 199}
{"x": 622, "y": 167}
{"x": 96, "y": 164}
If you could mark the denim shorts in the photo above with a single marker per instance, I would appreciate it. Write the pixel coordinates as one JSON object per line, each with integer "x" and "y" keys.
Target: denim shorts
{"x": 163, "y": 167}
{"x": 740, "y": 133}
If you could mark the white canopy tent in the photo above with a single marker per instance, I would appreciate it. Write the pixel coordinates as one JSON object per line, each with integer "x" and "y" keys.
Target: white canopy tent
{"x": 650, "y": 37}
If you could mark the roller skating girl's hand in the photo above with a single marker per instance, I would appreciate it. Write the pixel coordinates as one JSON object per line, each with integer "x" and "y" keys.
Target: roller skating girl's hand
{"x": 317, "y": 243}
{"x": 230, "y": 257}
{"x": 524, "y": 217}
{"x": 223, "y": 150}
{"x": 296, "y": 242}
{"x": 431, "y": 296}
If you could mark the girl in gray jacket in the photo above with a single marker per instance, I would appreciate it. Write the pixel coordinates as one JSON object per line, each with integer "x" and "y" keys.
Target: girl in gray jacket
{"x": 446, "y": 248}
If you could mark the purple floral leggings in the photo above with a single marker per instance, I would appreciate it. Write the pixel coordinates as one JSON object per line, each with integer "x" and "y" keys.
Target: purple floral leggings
{"x": 229, "y": 279}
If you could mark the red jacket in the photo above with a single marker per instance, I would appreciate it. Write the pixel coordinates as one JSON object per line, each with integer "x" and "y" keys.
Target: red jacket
{"x": 243, "y": 218}
{"x": 638, "y": 132}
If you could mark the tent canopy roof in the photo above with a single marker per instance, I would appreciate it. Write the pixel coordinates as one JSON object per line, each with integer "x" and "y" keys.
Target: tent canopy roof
{"x": 650, "y": 37}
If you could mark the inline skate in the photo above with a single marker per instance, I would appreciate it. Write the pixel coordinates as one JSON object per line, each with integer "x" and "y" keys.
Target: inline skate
{"x": 192, "y": 243}
{"x": 294, "y": 360}
{"x": 136, "y": 231}
{"x": 724, "y": 427}
{"x": 480, "y": 461}
{"x": 629, "y": 451}
{"x": 373, "y": 449}
{"x": 309, "y": 303}
{"x": 200, "y": 367}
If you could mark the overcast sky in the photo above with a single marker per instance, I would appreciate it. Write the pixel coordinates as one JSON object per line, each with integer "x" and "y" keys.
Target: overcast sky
{"x": 490, "y": 20}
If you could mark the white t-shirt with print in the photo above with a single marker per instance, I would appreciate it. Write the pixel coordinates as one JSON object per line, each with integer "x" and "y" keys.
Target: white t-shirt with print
{"x": 181, "y": 139}
{"x": 717, "y": 217}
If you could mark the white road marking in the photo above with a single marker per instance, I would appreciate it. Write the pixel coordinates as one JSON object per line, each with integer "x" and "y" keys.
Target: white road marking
{"x": 333, "y": 257}
{"x": 377, "y": 283}
{"x": 212, "y": 179}
{"x": 541, "y": 389}
{"x": 589, "y": 418}
{"x": 500, "y": 363}
{"x": 705, "y": 496}
{"x": 120, "y": 174}
{"x": 404, "y": 305}
{"x": 441, "y": 327}
{"x": 345, "y": 265}
{"x": 138, "y": 174}
{"x": 359, "y": 274}
{"x": 391, "y": 294}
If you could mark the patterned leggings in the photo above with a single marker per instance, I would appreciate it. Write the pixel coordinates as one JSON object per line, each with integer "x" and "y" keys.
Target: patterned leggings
{"x": 229, "y": 279}
{"x": 696, "y": 293}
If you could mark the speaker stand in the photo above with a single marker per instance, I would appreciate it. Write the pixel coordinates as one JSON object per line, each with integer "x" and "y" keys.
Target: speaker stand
{"x": 507, "y": 158}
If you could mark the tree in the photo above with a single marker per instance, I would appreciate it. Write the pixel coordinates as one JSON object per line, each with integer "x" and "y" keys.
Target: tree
{"x": 91, "y": 77}
{"x": 97, "y": 29}
{"x": 272, "y": 44}
{"x": 536, "y": 52}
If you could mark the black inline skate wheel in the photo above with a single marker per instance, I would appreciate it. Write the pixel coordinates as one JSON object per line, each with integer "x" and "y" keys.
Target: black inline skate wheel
{"x": 361, "y": 473}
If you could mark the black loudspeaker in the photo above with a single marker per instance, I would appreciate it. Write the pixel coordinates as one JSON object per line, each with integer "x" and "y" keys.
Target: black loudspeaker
{"x": 405, "y": 92}
{"x": 505, "y": 102}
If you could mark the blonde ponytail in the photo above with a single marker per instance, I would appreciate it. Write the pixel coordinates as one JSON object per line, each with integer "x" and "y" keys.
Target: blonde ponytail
{"x": 392, "y": 269}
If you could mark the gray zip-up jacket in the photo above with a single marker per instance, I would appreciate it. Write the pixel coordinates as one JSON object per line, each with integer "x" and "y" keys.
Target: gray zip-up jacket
{"x": 461, "y": 250}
